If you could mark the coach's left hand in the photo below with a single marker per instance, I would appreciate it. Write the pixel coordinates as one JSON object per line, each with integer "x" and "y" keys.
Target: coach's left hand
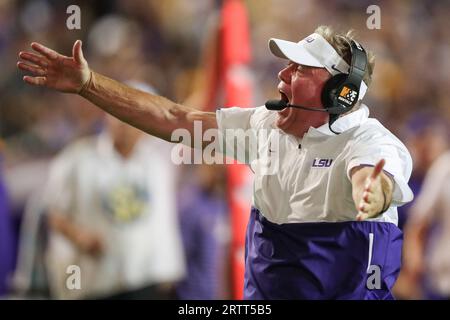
{"x": 372, "y": 191}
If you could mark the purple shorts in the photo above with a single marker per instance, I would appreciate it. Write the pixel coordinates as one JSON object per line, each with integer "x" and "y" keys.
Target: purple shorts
{"x": 325, "y": 260}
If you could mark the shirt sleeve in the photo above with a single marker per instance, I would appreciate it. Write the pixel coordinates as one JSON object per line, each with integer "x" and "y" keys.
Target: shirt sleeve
{"x": 235, "y": 130}
{"x": 371, "y": 148}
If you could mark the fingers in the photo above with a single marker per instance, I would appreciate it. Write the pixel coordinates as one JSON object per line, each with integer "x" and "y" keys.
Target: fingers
{"x": 377, "y": 169}
{"x": 46, "y": 52}
{"x": 32, "y": 57}
{"x": 367, "y": 197}
{"x": 374, "y": 175}
{"x": 368, "y": 206}
{"x": 35, "y": 70}
{"x": 362, "y": 207}
{"x": 362, "y": 216}
{"x": 77, "y": 51}
{"x": 372, "y": 197}
{"x": 35, "y": 81}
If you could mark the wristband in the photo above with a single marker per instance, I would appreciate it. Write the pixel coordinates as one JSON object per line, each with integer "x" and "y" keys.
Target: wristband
{"x": 86, "y": 84}
{"x": 385, "y": 207}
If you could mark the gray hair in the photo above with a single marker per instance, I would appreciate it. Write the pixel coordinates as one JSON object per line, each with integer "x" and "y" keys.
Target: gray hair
{"x": 341, "y": 43}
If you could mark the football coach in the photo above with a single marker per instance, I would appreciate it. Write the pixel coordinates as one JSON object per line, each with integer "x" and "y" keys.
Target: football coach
{"x": 324, "y": 226}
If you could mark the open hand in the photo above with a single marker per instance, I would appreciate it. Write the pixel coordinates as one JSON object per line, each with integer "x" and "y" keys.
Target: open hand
{"x": 50, "y": 69}
{"x": 373, "y": 199}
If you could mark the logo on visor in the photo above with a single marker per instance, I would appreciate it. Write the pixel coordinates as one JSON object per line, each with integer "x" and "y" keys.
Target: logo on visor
{"x": 309, "y": 39}
{"x": 336, "y": 69}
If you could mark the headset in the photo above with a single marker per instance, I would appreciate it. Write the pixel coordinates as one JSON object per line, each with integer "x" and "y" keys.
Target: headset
{"x": 340, "y": 93}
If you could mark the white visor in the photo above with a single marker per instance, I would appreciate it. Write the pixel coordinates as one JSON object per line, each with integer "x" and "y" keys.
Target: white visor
{"x": 313, "y": 51}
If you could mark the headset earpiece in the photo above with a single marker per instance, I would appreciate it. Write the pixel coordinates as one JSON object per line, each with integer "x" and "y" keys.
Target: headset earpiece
{"x": 341, "y": 92}
{"x": 329, "y": 91}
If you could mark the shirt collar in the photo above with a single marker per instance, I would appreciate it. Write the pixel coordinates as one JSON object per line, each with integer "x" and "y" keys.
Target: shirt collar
{"x": 105, "y": 146}
{"x": 342, "y": 124}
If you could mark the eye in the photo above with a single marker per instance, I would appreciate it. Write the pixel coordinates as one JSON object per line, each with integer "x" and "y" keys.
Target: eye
{"x": 301, "y": 69}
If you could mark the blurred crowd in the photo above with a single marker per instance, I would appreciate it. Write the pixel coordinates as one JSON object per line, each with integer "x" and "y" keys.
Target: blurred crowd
{"x": 49, "y": 140}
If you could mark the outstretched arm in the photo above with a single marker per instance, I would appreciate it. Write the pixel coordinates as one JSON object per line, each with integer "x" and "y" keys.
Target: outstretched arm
{"x": 153, "y": 114}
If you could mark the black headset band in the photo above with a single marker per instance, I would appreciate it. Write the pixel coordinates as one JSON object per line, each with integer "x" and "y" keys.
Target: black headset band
{"x": 341, "y": 92}
{"x": 358, "y": 65}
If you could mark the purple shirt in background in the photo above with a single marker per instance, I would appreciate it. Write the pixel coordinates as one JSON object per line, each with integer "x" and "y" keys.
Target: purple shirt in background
{"x": 204, "y": 226}
{"x": 6, "y": 240}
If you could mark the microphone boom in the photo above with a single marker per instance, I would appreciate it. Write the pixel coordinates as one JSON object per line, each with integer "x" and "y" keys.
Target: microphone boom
{"x": 281, "y": 104}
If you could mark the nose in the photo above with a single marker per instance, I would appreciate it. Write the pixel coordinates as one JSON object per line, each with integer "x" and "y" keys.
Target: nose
{"x": 285, "y": 75}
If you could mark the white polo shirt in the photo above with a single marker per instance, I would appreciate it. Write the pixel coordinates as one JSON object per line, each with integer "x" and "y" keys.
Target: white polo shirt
{"x": 312, "y": 182}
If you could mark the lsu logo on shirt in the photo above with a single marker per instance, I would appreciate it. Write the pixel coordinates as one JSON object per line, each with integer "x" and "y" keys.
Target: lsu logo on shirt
{"x": 322, "y": 163}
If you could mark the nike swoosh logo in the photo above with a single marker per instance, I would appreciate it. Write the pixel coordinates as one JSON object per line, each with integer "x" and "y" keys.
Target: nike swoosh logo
{"x": 334, "y": 68}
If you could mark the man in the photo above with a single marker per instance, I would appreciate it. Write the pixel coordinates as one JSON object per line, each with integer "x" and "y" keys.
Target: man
{"x": 289, "y": 253}
{"x": 111, "y": 215}
{"x": 427, "y": 234}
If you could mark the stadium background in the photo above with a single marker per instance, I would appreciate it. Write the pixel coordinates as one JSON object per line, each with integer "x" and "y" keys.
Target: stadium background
{"x": 170, "y": 45}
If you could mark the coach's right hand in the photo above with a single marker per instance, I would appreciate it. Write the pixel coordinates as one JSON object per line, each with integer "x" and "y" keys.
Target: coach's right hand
{"x": 50, "y": 69}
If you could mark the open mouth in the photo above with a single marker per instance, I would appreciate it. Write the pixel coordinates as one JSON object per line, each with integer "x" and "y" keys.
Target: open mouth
{"x": 284, "y": 97}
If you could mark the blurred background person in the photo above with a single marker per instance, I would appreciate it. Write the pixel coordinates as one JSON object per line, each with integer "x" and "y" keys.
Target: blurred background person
{"x": 112, "y": 212}
{"x": 427, "y": 236}
{"x": 205, "y": 230}
{"x": 426, "y": 135}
